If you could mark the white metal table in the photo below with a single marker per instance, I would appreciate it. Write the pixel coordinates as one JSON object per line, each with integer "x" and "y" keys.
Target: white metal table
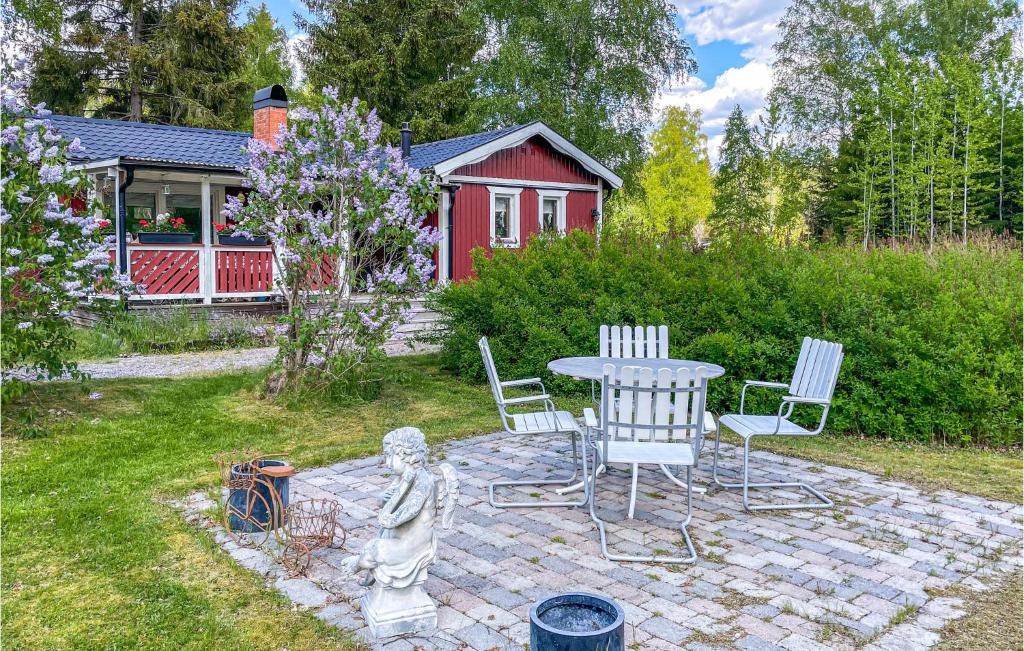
{"x": 592, "y": 368}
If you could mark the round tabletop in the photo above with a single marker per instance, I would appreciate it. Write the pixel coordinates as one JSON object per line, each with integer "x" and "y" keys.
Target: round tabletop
{"x": 592, "y": 368}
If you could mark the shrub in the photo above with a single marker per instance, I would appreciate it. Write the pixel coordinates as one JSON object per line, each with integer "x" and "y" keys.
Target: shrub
{"x": 346, "y": 215}
{"x": 932, "y": 342}
{"x": 52, "y": 251}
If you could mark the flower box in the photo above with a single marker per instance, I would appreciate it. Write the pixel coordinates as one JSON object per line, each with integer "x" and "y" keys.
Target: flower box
{"x": 238, "y": 240}
{"x": 166, "y": 238}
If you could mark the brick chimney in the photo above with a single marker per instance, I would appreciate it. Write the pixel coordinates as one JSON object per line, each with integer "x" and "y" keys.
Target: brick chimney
{"x": 269, "y": 113}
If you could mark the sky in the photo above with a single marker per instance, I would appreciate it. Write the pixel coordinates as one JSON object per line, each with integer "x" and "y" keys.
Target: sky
{"x": 732, "y": 43}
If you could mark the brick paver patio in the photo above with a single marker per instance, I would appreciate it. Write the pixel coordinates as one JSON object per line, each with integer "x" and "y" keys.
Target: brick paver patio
{"x": 884, "y": 569}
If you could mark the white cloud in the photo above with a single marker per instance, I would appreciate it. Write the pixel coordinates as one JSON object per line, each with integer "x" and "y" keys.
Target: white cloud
{"x": 296, "y": 43}
{"x": 750, "y": 23}
{"x": 747, "y": 86}
{"x": 745, "y": 22}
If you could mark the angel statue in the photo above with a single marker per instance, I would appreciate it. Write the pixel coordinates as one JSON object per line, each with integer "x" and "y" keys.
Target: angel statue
{"x": 396, "y": 561}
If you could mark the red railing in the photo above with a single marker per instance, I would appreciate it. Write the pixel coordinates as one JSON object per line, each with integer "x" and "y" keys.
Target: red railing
{"x": 165, "y": 271}
{"x": 244, "y": 270}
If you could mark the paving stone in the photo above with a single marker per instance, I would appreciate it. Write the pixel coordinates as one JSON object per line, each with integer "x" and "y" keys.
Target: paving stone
{"x": 303, "y": 592}
{"x": 667, "y": 630}
{"x": 482, "y": 637}
{"x": 754, "y": 643}
{"x": 849, "y": 574}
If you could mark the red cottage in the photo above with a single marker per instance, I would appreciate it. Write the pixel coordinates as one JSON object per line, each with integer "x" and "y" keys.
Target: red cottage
{"x": 497, "y": 188}
{"x": 500, "y": 187}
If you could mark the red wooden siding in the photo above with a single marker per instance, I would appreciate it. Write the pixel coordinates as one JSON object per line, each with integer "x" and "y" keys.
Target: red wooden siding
{"x": 533, "y": 160}
{"x": 170, "y": 271}
{"x": 472, "y": 227}
{"x": 473, "y": 220}
{"x": 244, "y": 271}
{"x": 579, "y": 210}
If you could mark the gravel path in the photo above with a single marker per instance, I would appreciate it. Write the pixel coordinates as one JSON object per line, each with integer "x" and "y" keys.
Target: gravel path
{"x": 217, "y": 361}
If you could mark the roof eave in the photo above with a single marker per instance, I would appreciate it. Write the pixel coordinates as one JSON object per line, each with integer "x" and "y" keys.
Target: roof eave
{"x": 479, "y": 153}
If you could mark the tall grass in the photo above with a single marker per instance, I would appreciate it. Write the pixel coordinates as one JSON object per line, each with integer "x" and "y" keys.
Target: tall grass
{"x": 172, "y": 331}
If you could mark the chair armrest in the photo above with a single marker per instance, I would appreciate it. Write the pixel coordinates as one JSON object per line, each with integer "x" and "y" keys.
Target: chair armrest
{"x": 589, "y": 417}
{"x": 526, "y": 399}
{"x": 757, "y": 383}
{"x": 806, "y": 401}
{"x": 519, "y": 383}
{"x": 769, "y": 385}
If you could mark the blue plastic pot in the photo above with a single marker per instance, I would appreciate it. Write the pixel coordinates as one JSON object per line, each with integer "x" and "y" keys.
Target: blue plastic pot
{"x": 577, "y": 621}
{"x": 260, "y": 510}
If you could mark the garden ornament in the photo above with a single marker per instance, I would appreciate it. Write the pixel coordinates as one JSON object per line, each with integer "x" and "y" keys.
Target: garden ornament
{"x": 396, "y": 561}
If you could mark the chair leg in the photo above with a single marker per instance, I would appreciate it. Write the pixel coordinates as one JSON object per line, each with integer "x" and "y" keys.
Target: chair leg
{"x": 547, "y": 482}
{"x": 822, "y": 503}
{"x": 632, "y": 490}
{"x": 678, "y": 560}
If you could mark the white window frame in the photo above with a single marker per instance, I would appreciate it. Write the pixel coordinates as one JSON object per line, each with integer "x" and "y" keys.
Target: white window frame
{"x": 513, "y": 194}
{"x": 560, "y": 197}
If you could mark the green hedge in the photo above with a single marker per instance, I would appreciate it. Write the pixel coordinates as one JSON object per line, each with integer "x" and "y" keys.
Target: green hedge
{"x": 932, "y": 342}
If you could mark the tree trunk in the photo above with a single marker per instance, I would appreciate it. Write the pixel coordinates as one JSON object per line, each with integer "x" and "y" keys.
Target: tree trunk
{"x": 967, "y": 157}
{"x": 892, "y": 184}
{"x": 952, "y": 186}
{"x": 1002, "y": 121}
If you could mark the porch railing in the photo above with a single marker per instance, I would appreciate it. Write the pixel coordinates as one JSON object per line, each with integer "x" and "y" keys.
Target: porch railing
{"x": 191, "y": 271}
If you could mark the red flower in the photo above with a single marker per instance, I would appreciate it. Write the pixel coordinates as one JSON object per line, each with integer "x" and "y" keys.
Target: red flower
{"x": 104, "y": 223}
{"x": 143, "y": 222}
{"x": 219, "y": 227}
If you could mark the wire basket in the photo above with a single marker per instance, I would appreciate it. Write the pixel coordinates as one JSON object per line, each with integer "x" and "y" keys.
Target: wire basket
{"x": 310, "y": 525}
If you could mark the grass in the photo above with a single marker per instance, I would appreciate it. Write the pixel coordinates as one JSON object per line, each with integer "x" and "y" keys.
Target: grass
{"x": 94, "y": 558}
{"x": 174, "y": 330}
{"x": 992, "y": 622}
{"x": 996, "y": 474}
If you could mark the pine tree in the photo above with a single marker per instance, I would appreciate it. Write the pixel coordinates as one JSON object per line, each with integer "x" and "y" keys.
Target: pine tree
{"x": 197, "y": 80}
{"x": 265, "y": 56}
{"x": 740, "y": 199}
{"x": 410, "y": 60}
{"x": 172, "y": 62}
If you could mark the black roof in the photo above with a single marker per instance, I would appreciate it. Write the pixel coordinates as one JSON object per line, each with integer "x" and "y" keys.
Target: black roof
{"x": 156, "y": 143}
{"x": 431, "y": 153}
{"x": 191, "y": 147}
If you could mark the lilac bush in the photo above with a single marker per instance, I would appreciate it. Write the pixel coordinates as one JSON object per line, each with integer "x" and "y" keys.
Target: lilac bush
{"x": 346, "y": 215}
{"x": 52, "y": 254}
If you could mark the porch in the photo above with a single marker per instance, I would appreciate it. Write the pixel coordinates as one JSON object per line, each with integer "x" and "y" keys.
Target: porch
{"x": 204, "y": 270}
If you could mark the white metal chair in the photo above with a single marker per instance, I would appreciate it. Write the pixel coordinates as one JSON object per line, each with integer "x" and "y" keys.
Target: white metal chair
{"x": 648, "y": 418}
{"x": 546, "y": 421}
{"x": 813, "y": 383}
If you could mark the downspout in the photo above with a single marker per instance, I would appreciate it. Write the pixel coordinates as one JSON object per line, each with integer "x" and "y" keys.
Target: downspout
{"x": 122, "y": 219}
{"x": 452, "y": 189}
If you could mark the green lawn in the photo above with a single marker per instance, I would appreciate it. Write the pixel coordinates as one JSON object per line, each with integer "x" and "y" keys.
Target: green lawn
{"x": 93, "y": 557}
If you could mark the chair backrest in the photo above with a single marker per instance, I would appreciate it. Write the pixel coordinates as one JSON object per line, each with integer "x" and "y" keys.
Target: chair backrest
{"x": 492, "y": 373}
{"x": 817, "y": 369}
{"x": 644, "y": 405}
{"x": 634, "y": 341}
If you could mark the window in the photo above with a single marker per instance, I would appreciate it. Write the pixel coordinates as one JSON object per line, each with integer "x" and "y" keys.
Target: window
{"x": 504, "y": 216}
{"x": 502, "y": 210}
{"x": 551, "y": 211}
{"x": 139, "y": 205}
